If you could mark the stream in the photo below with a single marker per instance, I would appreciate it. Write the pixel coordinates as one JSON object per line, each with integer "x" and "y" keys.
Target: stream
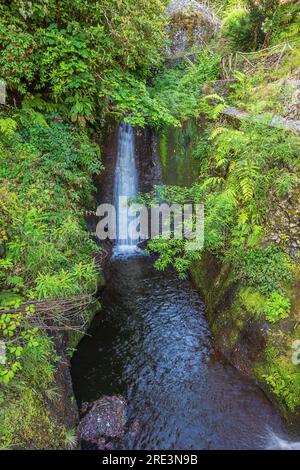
{"x": 151, "y": 344}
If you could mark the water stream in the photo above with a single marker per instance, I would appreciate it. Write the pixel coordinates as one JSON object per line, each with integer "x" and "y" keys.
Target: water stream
{"x": 151, "y": 343}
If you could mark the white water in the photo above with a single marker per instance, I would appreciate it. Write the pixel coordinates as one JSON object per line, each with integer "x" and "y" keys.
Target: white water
{"x": 275, "y": 442}
{"x": 126, "y": 186}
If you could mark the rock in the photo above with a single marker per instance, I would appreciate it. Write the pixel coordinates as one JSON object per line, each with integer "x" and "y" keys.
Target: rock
{"x": 192, "y": 24}
{"x": 103, "y": 423}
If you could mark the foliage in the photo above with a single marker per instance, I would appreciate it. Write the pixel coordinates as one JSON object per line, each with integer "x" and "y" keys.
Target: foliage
{"x": 240, "y": 168}
{"x": 134, "y": 102}
{"x": 179, "y": 88}
{"x": 71, "y": 52}
{"x": 71, "y": 439}
{"x": 267, "y": 269}
{"x": 46, "y": 168}
{"x": 252, "y": 300}
{"x": 237, "y": 29}
{"x": 277, "y": 307}
{"x": 281, "y": 376}
{"x": 247, "y": 171}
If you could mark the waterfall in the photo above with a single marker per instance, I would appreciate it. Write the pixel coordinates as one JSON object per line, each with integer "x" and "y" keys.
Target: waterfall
{"x": 126, "y": 186}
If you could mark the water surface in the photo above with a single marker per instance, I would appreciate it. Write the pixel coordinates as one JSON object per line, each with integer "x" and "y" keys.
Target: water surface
{"x": 151, "y": 344}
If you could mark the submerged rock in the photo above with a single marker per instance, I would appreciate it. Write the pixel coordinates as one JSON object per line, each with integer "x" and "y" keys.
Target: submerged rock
{"x": 103, "y": 423}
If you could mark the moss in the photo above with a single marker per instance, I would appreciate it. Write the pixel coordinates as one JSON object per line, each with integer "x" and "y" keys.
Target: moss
{"x": 280, "y": 377}
{"x": 252, "y": 300}
{"x": 26, "y": 420}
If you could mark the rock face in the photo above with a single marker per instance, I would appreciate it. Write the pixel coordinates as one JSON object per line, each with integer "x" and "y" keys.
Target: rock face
{"x": 284, "y": 222}
{"x": 192, "y": 24}
{"x": 103, "y": 423}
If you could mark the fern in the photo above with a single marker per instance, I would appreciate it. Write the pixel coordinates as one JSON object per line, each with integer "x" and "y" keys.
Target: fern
{"x": 247, "y": 173}
{"x": 8, "y": 126}
{"x": 71, "y": 439}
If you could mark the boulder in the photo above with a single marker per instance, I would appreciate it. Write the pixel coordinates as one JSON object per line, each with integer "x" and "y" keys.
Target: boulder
{"x": 192, "y": 24}
{"x": 103, "y": 423}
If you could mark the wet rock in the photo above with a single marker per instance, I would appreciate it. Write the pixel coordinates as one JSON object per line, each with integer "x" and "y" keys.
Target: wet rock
{"x": 103, "y": 423}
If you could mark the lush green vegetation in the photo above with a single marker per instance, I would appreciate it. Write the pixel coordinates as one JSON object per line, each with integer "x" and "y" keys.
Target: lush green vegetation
{"x": 69, "y": 67}
{"x": 250, "y": 25}
{"x": 46, "y": 174}
{"x": 84, "y": 58}
{"x": 241, "y": 168}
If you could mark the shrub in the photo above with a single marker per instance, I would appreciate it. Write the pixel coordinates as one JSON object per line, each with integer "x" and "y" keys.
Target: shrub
{"x": 267, "y": 269}
{"x": 250, "y": 27}
{"x": 277, "y": 307}
{"x": 46, "y": 170}
{"x": 237, "y": 29}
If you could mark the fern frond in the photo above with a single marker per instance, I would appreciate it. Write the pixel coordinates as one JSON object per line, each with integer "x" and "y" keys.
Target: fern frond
{"x": 213, "y": 181}
{"x": 7, "y": 126}
{"x": 218, "y": 131}
{"x": 243, "y": 218}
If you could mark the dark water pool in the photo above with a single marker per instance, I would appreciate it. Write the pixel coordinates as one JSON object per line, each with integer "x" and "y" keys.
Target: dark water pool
{"x": 151, "y": 344}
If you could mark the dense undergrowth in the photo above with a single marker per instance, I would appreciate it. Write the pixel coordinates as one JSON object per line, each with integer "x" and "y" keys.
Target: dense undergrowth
{"x": 46, "y": 173}
{"x": 68, "y": 68}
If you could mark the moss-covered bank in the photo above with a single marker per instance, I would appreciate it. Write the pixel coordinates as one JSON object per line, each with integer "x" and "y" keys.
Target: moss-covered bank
{"x": 262, "y": 349}
{"x": 259, "y": 349}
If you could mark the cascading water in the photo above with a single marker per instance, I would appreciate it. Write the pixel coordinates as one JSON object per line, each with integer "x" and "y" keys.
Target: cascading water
{"x": 126, "y": 186}
{"x": 151, "y": 344}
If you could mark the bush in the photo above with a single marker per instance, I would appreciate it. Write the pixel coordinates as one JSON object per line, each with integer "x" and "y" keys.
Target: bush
{"x": 277, "y": 307}
{"x": 266, "y": 269}
{"x": 237, "y": 29}
{"x": 179, "y": 89}
{"x": 46, "y": 169}
{"x": 250, "y": 27}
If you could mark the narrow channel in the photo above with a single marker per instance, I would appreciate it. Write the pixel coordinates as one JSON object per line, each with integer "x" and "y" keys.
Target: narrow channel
{"x": 151, "y": 344}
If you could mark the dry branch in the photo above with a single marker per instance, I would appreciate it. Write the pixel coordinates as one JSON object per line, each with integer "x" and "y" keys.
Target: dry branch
{"x": 54, "y": 314}
{"x": 252, "y": 61}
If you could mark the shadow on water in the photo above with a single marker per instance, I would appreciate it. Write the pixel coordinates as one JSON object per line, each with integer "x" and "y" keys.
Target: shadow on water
{"x": 151, "y": 344}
